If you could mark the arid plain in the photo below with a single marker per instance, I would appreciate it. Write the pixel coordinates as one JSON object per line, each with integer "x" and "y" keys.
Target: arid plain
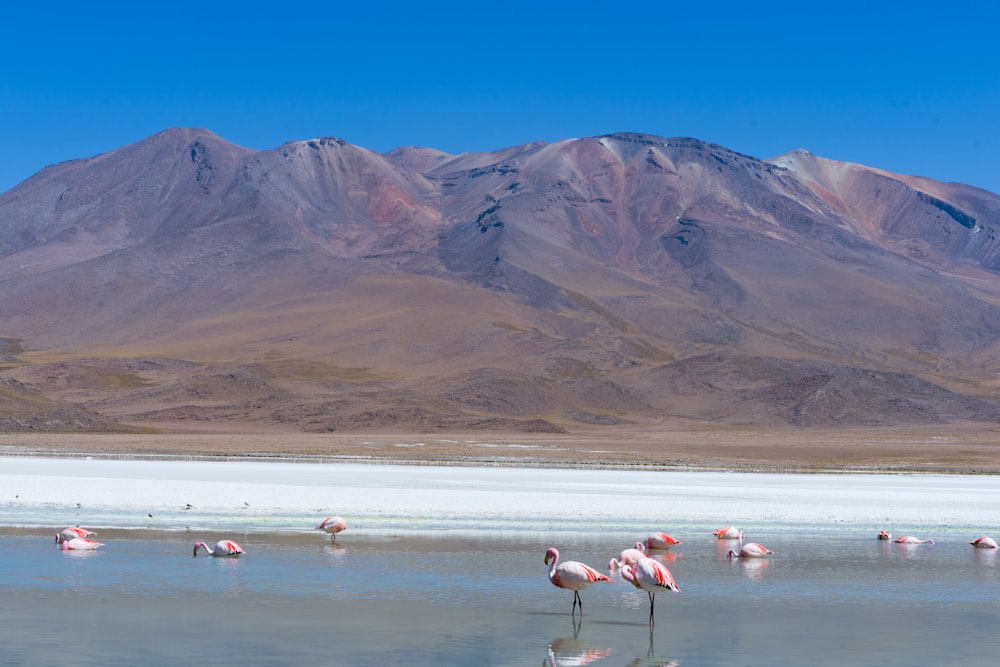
{"x": 952, "y": 449}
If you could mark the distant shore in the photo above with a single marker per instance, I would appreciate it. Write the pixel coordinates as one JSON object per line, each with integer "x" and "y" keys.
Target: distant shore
{"x": 969, "y": 449}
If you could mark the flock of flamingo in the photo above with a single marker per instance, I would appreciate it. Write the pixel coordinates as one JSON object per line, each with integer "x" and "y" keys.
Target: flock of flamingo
{"x": 646, "y": 573}
{"x": 635, "y": 564}
{"x": 75, "y": 538}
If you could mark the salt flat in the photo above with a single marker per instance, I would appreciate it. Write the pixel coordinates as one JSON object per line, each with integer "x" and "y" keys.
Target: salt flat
{"x": 290, "y": 497}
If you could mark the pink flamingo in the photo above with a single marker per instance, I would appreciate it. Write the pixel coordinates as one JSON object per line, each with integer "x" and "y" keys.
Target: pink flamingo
{"x": 984, "y": 542}
{"x": 650, "y": 575}
{"x": 221, "y": 548}
{"x": 332, "y": 525}
{"x": 72, "y": 532}
{"x": 661, "y": 541}
{"x": 728, "y": 533}
{"x": 884, "y": 535}
{"x": 571, "y": 575}
{"x": 80, "y": 544}
{"x": 750, "y": 550}
{"x": 909, "y": 539}
{"x": 627, "y": 557}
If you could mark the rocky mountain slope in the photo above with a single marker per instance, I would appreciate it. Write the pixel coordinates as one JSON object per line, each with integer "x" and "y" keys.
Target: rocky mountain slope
{"x": 185, "y": 282}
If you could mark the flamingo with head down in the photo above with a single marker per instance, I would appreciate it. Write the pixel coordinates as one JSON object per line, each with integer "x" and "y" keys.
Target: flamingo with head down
{"x": 221, "y": 548}
{"x": 728, "y": 533}
{"x": 80, "y": 544}
{"x": 660, "y": 541}
{"x": 627, "y": 557}
{"x": 333, "y": 525}
{"x": 909, "y": 539}
{"x": 884, "y": 535}
{"x": 571, "y": 575}
{"x": 652, "y": 576}
{"x": 72, "y": 532}
{"x": 750, "y": 550}
{"x": 984, "y": 542}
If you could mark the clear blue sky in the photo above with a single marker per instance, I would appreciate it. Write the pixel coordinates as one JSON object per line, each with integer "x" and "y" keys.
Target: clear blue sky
{"x": 911, "y": 87}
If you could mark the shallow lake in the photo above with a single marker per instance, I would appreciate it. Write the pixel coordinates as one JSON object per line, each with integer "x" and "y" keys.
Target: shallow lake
{"x": 829, "y": 598}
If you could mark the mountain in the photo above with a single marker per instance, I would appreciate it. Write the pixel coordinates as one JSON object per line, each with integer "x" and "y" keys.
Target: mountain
{"x": 186, "y": 282}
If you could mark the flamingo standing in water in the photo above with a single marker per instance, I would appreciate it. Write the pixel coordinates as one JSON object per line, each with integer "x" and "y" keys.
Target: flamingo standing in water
{"x": 909, "y": 539}
{"x": 661, "y": 541}
{"x": 332, "y": 525}
{"x": 650, "y": 575}
{"x": 750, "y": 550}
{"x": 884, "y": 535}
{"x": 80, "y": 544}
{"x": 572, "y": 575}
{"x": 627, "y": 557}
{"x": 72, "y": 532}
{"x": 728, "y": 533}
{"x": 221, "y": 548}
{"x": 984, "y": 542}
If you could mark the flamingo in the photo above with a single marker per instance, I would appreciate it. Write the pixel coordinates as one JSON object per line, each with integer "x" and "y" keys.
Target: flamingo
{"x": 909, "y": 539}
{"x": 728, "y": 533}
{"x": 80, "y": 544}
{"x": 884, "y": 535}
{"x": 984, "y": 542}
{"x": 72, "y": 532}
{"x": 221, "y": 548}
{"x": 332, "y": 525}
{"x": 750, "y": 550}
{"x": 650, "y": 575}
{"x": 661, "y": 541}
{"x": 572, "y": 575}
{"x": 627, "y": 557}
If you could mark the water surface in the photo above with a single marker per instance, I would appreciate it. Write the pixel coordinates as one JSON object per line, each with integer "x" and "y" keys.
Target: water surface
{"x": 828, "y": 598}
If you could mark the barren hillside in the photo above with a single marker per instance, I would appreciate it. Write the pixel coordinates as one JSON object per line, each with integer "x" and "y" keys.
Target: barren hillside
{"x": 186, "y": 283}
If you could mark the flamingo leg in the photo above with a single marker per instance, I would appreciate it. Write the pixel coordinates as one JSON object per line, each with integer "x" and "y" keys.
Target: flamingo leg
{"x": 577, "y": 601}
{"x": 652, "y": 599}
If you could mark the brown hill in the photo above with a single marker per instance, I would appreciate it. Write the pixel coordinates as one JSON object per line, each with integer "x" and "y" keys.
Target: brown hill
{"x": 184, "y": 282}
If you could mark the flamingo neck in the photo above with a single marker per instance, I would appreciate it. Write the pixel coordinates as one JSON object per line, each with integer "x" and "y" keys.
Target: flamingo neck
{"x": 553, "y": 564}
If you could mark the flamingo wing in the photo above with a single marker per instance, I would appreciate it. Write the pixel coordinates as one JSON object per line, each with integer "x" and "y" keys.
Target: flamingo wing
{"x": 984, "y": 542}
{"x": 228, "y": 548}
{"x": 754, "y": 550}
{"x": 576, "y": 576}
{"x": 663, "y": 576}
{"x": 652, "y": 575}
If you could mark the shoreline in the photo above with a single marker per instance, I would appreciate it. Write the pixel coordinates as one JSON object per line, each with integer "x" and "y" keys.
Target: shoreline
{"x": 522, "y": 463}
{"x": 941, "y": 449}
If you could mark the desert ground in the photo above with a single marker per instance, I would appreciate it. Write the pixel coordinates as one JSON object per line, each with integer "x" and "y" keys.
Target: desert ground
{"x": 952, "y": 448}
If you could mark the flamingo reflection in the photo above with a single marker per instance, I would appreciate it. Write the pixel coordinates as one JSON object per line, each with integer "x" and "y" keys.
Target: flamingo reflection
{"x": 651, "y": 660}
{"x": 573, "y": 651}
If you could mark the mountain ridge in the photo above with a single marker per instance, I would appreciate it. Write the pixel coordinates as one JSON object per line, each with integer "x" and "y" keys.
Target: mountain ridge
{"x": 548, "y": 286}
